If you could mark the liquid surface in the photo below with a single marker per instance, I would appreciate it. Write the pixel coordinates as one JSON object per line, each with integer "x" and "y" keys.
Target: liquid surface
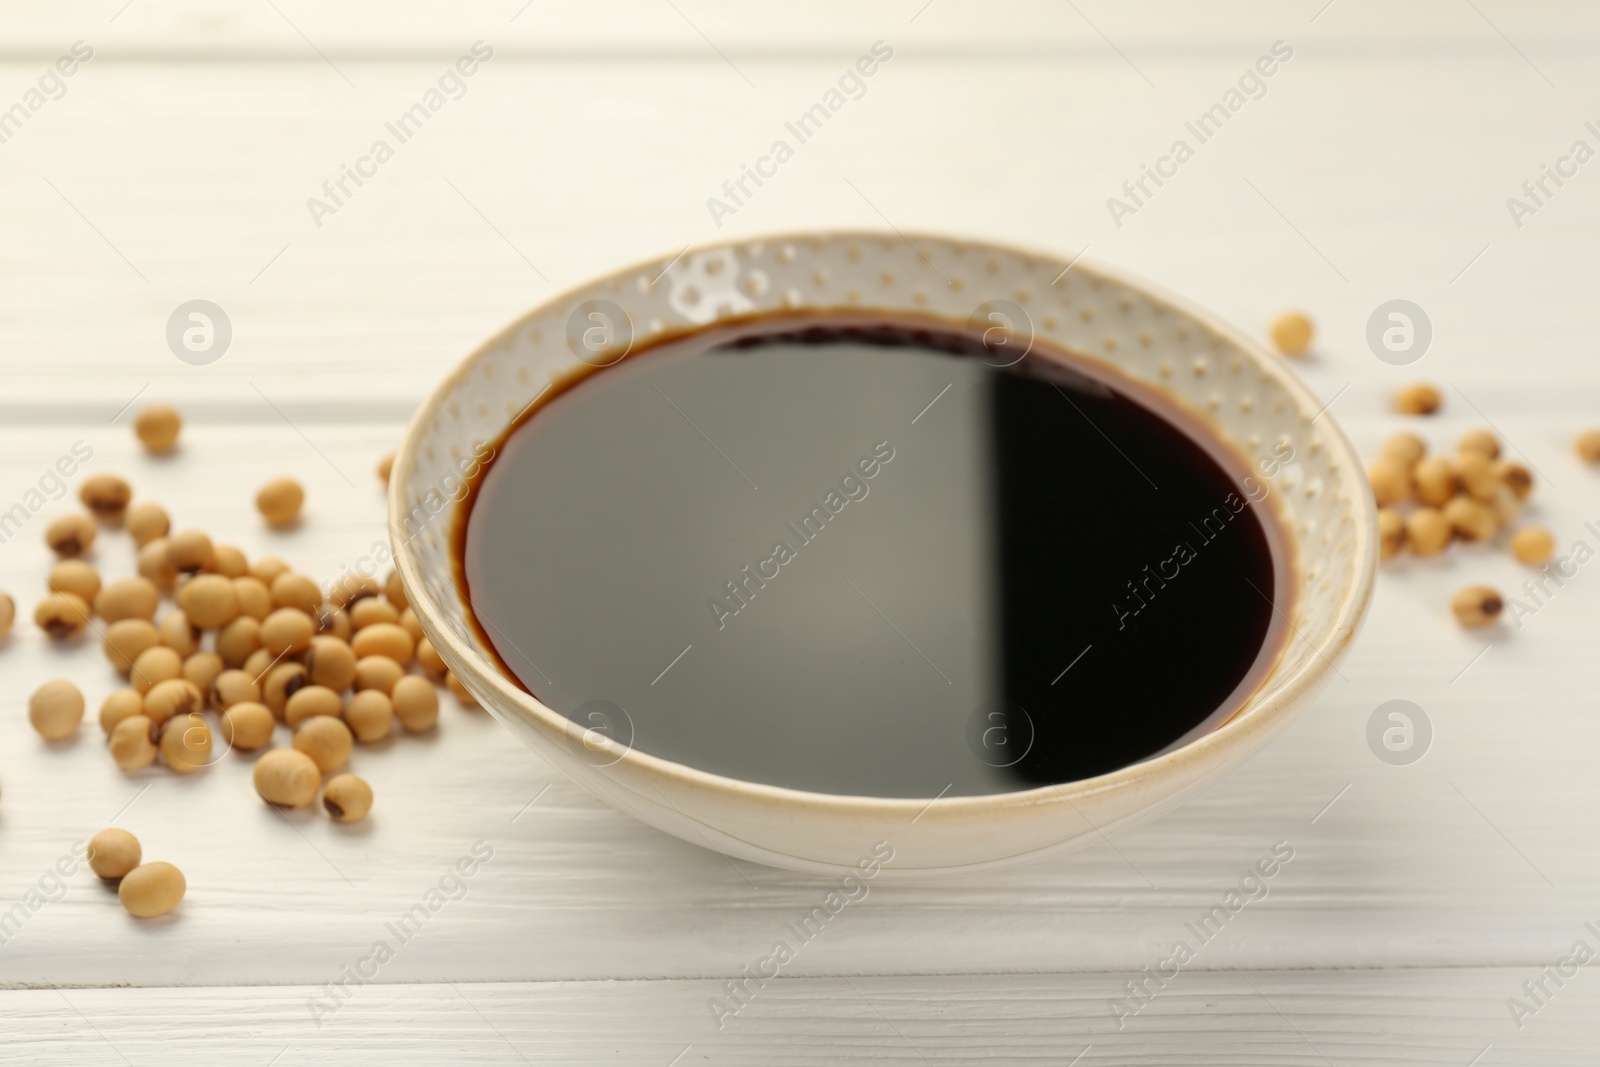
{"x": 872, "y": 559}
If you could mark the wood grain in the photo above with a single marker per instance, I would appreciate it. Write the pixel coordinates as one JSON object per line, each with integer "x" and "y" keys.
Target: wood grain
{"x": 1469, "y": 857}
{"x": 215, "y": 164}
{"x": 299, "y": 32}
{"x": 178, "y": 166}
{"x": 1239, "y": 1019}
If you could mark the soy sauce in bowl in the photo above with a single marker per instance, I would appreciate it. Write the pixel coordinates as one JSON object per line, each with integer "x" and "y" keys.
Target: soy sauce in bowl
{"x": 872, "y": 556}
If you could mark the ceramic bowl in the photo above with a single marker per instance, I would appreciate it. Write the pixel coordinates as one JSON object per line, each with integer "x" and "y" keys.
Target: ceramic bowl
{"x": 1230, "y": 380}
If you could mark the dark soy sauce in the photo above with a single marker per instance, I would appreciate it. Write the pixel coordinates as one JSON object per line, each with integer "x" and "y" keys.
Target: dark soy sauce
{"x": 865, "y": 556}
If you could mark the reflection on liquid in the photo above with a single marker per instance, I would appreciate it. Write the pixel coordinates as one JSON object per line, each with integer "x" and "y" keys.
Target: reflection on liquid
{"x": 871, "y": 560}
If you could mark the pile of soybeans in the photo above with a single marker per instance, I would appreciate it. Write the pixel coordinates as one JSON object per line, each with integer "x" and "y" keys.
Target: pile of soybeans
{"x": 1427, "y": 501}
{"x": 243, "y": 647}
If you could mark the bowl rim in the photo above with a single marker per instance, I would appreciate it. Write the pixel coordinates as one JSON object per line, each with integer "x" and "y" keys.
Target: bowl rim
{"x": 1221, "y": 746}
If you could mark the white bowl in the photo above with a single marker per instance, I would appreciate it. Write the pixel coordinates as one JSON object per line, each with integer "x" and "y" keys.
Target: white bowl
{"x": 1231, "y": 381}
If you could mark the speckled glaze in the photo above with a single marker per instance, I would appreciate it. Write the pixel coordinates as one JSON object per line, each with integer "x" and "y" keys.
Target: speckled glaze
{"x": 1245, "y": 392}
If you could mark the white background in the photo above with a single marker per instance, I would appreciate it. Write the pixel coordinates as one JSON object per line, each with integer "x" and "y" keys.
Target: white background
{"x": 178, "y": 165}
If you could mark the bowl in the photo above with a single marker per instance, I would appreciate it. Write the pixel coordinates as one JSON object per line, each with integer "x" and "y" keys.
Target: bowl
{"x": 1230, "y": 381}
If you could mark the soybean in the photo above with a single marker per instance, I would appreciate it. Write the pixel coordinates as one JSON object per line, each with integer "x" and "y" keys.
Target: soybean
{"x": 1477, "y": 475}
{"x": 152, "y": 889}
{"x": 237, "y": 640}
{"x": 62, "y": 615}
{"x": 208, "y": 600}
{"x": 1480, "y": 441}
{"x": 287, "y": 630}
{"x": 1477, "y": 605}
{"x": 186, "y": 743}
{"x": 279, "y": 502}
{"x": 106, "y": 496}
{"x": 234, "y": 687}
{"x": 347, "y": 798}
{"x": 1472, "y": 519}
{"x": 352, "y": 587}
{"x": 228, "y": 561}
{"x": 384, "y": 639}
{"x": 433, "y": 664}
{"x": 1391, "y": 482}
{"x": 416, "y": 703}
{"x": 290, "y": 590}
{"x": 125, "y": 640}
{"x": 370, "y": 715}
{"x": 55, "y": 709}
{"x": 128, "y": 598}
{"x": 311, "y": 701}
{"x": 331, "y": 663}
{"x": 1405, "y": 448}
{"x": 287, "y": 777}
{"x": 248, "y": 726}
{"x": 172, "y": 699}
{"x": 157, "y": 427}
{"x": 253, "y": 596}
{"x": 201, "y": 669}
{"x": 267, "y": 568}
{"x": 8, "y": 613}
{"x": 1391, "y": 535}
{"x": 113, "y": 853}
{"x": 326, "y": 740}
{"x": 131, "y": 745}
{"x": 76, "y": 577}
{"x": 153, "y": 565}
{"x": 154, "y": 666}
{"x": 1428, "y": 531}
{"x": 409, "y": 623}
{"x": 378, "y": 672}
{"x": 1588, "y": 446}
{"x": 1292, "y": 332}
{"x": 370, "y": 610}
{"x": 189, "y": 551}
{"x": 1516, "y": 477}
{"x": 258, "y": 663}
{"x": 385, "y": 468}
{"x": 395, "y": 592}
{"x": 70, "y": 536}
{"x": 335, "y": 623}
{"x": 1418, "y": 399}
{"x": 146, "y": 521}
{"x": 280, "y": 684}
{"x": 1435, "y": 481}
{"x": 121, "y": 704}
{"x": 179, "y": 634}
{"x": 1533, "y": 545}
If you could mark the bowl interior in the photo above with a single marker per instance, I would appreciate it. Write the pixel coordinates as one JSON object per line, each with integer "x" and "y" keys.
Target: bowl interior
{"x": 1251, "y": 401}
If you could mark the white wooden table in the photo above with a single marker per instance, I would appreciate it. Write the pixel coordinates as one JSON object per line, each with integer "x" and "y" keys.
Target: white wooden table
{"x": 177, "y": 166}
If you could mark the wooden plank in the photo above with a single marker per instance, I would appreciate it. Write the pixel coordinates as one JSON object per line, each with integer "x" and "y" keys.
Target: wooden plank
{"x": 1367, "y": 179}
{"x": 1237, "y": 1019}
{"x": 699, "y": 29}
{"x": 454, "y": 237}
